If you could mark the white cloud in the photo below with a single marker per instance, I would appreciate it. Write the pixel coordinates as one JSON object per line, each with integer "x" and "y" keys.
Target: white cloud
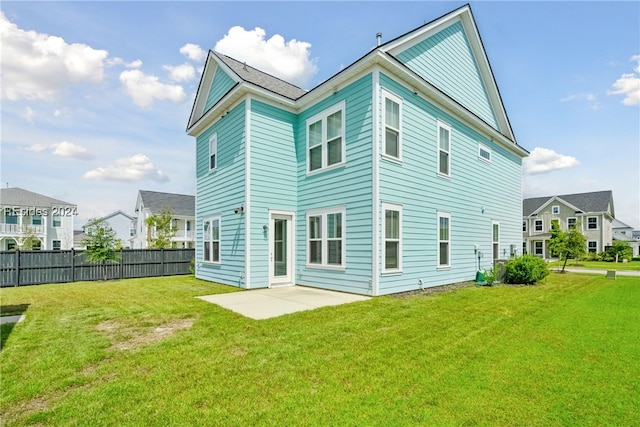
{"x": 62, "y": 149}
{"x": 39, "y": 66}
{"x": 193, "y": 52}
{"x": 144, "y": 89}
{"x": 629, "y": 85}
{"x": 181, "y": 73}
{"x": 29, "y": 114}
{"x": 70, "y": 150}
{"x": 128, "y": 169}
{"x": 589, "y": 98}
{"x": 543, "y": 160}
{"x": 286, "y": 60}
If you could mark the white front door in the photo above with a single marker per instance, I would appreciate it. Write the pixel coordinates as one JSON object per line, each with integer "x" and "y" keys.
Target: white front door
{"x": 281, "y": 249}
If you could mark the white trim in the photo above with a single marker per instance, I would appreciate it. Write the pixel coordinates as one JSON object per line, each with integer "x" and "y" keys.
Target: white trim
{"x": 396, "y": 208}
{"x": 535, "y": 226}
{"x": 525, "y": 223}
{"x": 375, "y": 174}
{"x": 575, "y": 222}
{"x": 386, "y": 94}
{"x": 247, "y": 194}
{"x": 324, "y": 238}
{"x": 443, "y": 214}
{"x": 213, "y": 142}
{"x": 555, "y": 210}
{"x": 442, "y": 125}
{"x": 597, "y": 245}
{"x": 495, "y": 242}
{"x": 324, "y": 143}
{"x": 291, "y": 241}
{"x": 212, "y": 218}
{"x": 597, "y": 223}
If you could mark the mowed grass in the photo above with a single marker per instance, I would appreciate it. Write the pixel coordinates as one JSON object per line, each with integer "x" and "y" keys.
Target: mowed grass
{"x": 146, "y": 352}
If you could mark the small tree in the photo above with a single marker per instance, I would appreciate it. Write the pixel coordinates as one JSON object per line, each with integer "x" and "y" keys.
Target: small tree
{"x": 570, "y": 244}
{"x": 102, "y": 244}
{"x": 617, "y": 251}
{"x": 160, "y": 230}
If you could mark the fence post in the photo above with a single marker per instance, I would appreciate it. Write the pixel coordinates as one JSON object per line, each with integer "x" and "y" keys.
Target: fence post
{"x": 17, "y": 267}
{"x": 73, "y": 265}
{"x": 162, "y": 261}
{"x": 121, "y": 262}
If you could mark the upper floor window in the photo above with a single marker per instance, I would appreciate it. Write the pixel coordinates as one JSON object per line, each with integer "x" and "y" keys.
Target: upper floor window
{"x": 211, "y": 239}
{"x": 325, "y": 139}
{"x": 36, "y": 220}
{"x": 444, "y": 149}
{"x": 392, "y": 229}
{"x": 554, "y": 223}
{"x": 213, "y": 151}
{"x": 524, "y": 226}
{"x": 188, "y": 225}
{"x": 57, "y": 221}
{"x": 538, "y": 225}
{"x": 484, "y": 153}
{"x": 592, "y": 223}
{"x": 392, "y": 123}
{"x": 325, "y": 237}
{"x": 555, "y": 210}
{"x": 571, "y": 223}
{"x": 10, "y": 218}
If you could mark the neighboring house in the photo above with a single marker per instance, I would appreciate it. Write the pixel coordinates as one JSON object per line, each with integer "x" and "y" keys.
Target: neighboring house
{"x": 624, "y": 232}
{"x": 150, "y": 203}
{"x": 394, "y": 174}
{"x": 26, "y": 215}
{"x": 122, "y": 224}
{"x": 593, "y": 212}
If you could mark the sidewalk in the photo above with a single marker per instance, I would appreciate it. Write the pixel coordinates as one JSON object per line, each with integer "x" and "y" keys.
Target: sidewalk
{"x": 592, "y": 271}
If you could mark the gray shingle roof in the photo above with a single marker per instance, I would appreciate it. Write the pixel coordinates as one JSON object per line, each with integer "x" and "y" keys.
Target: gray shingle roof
{"x": 180, "y": 204}
{"x": 597, "y": 201}
{"x": 262, "y": 79}
{"x": 21, "y": 197}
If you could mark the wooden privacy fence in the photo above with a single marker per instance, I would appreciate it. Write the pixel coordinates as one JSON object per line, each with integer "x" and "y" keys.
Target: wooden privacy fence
{"x": 18, "y": 268}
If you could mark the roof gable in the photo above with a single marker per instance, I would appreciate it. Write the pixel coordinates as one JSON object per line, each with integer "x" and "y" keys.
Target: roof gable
{"x": 597, "y": 201}
{"x": 449, "y": 54}
{"x": 155, "y": 201}
{"x": 21, "y": 197}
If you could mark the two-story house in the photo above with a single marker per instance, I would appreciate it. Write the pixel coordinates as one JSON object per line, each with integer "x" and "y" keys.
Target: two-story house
{"x": 624, "y": 232}
{"x": 592, "y": 212}
{"x": 120, "y": 222}
{"x": 182, "y": 208}
{"x": 36, "y": 220}
{"x": 381, "y": 179}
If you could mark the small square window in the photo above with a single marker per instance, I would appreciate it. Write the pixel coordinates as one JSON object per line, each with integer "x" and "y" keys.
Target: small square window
{"x": 555, "y": 210}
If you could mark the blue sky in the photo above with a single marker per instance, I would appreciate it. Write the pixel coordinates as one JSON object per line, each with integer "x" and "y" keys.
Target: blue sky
{"x": 96, "y": 95}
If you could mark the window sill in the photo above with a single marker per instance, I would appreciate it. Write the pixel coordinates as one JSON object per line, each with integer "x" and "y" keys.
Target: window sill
{"x": 326, "y": 267}
{"x": 397, "y": 160}
{"x": 211, "y": 263}
{"x": 443, "y": 267}
{"x": 326, "y": 169}
{"x": 395, "y": 272}
{"x": 443, "y": 176}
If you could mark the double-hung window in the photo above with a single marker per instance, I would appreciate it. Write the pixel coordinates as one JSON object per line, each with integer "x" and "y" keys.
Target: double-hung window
{"x": 392, "y": 121}
{"x": 325, "y": 237}
{"x": 211, "y": 239}
{"x": 444, "y": 149}
{"x": 538, "y": 226}
{"x": 325, "y": 139}
{"x": 213, "y": 152}
{"x": 495, "y": 239}
{"x": 392, "y": 248}
{"x": 592, "y": 223}
{"x": 57, "y": 221}
{"x": 36, "y": 219}
{"x": 524, "y": 226}
{"x": 571, "y": 223}
{"x": 592, "y": 246}
{"x": 56, "y": 245}
{"x": 444, "y": 239}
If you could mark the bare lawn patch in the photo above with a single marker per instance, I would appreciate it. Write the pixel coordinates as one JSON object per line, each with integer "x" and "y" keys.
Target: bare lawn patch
{"x": 127, "y": 337}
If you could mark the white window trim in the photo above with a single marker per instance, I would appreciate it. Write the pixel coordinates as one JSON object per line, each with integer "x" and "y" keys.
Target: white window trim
{"x": 535, "y": 228}
{"x": 597, "y": 223}
{"x": 447, "y": 215}
{"x": 555, "y": 210}
{"x": 53, "y": 221}
{"x": 443, "y": 125}
{"x": 341, "y": 106}
{"x": 324, "y": 239}
{"x": 388, "y": 95}
{"x": 597, "y": 245}
{"x": 535, "y": 247}
{"x": 53, "y": 244}
{"x": 481, "y": 148}
{"x": 210, "y": 240}
{"x": 575, "y": 223}
{"x": 398, "y": 208}
{"x": 213, "y": 151}
{"x": 525, "y": 226}
{"x": 493, "y": 242}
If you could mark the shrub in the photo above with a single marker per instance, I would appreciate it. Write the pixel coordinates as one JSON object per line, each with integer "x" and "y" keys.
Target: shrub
{"x": 593, "y": 256}
{"x": 527, "y": 269}
{"x": 619, "y": 250}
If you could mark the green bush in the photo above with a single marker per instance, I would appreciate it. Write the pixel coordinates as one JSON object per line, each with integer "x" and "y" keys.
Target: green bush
{"x": 593, "y": 256}
{"x": 527, "y": 270}
{"x": 620, "y": 249}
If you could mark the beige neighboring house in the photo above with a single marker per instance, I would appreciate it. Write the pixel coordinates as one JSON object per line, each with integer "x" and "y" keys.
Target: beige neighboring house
{"x": 593, "y": 212}
{"x": 183, "y": 210}
{"x": 624, "y": 232}
{"x": 26, "y": 215}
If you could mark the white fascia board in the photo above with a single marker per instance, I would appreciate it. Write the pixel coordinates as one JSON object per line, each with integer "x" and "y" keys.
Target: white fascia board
{"x": 555, "y": 199}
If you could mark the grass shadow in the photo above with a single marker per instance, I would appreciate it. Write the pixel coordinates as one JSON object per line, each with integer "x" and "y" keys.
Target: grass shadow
{"x": 6, "y": 328}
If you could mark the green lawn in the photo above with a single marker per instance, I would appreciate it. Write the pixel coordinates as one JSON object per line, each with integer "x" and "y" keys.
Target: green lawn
{"x": 146, "y": 352}
{"x": 599, "y": 265}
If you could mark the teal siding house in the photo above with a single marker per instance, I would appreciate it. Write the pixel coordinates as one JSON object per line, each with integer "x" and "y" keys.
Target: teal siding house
{"x": 398, "y": 173}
